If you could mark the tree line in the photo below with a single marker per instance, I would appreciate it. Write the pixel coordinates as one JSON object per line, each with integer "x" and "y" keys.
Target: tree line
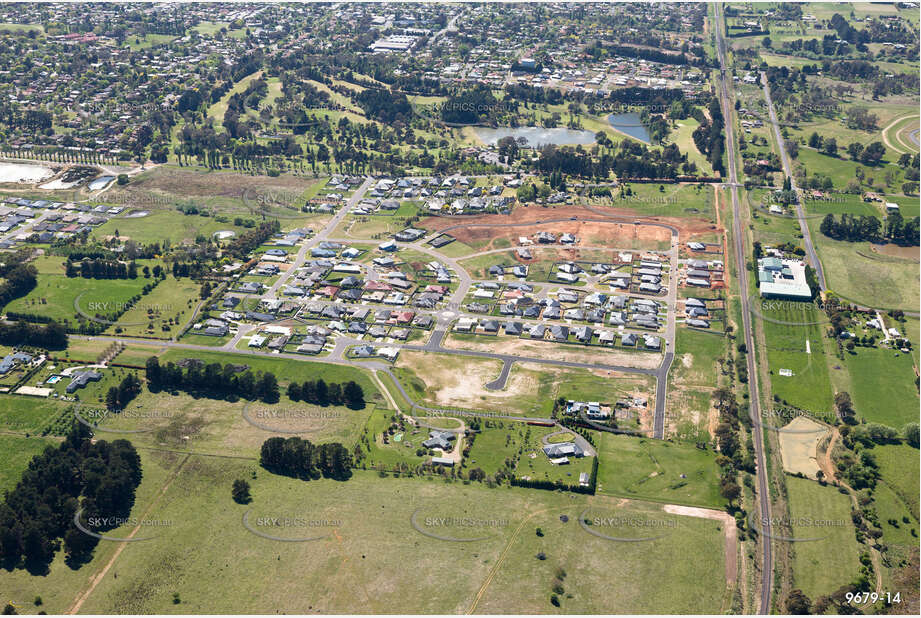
{"x": 17, "y": 281}
{"x": 708, "y": 137}
{"x": 213, "y": 380}
{"x": 51, "y": 336}
{"x": 101, "y": 478}
{"x": 244, "y": 244}
{"x": 858, "y": 228}
{"x": 101, "y": 268}
{"x": 321, "y": 393}
{"x": 304, "y": 460}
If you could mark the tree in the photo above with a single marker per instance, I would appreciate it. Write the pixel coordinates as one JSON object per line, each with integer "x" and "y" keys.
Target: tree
{"x": 322, "y": 393}
{"x": 873, "y": 154}
{"x": 112, "y": 399}
{"x": 830, "y": 147}
{"x": 240, "y": 492}
{"x": 353, "y": 396}
{"x": 730, "y": 490}
{"x": 844, "y": 407}
{"x": 854, "y": 150}
{"x": 798, "y": 603}
{"x": 268, "y": 388}
{"x": 910, "y": 433}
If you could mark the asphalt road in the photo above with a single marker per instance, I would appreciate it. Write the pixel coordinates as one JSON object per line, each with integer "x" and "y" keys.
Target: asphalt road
{"x": 788, "y": 171}
{"x": 764, "y": 502}
{"x": 321, "y": 235}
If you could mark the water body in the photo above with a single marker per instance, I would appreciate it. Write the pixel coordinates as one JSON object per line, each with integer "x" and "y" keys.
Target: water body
{"x": 536, "y": 135}
{"x": 629, "y": 124}
{"x": 23, "y": 172}
{"x": 100, "y": 183}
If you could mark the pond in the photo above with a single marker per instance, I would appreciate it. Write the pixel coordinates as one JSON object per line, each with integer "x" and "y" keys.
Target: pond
{"x": 629, "y": 124}
{"x": 100, "y": 183}
{"x": 536, "y": 135}
{"x": 23, "y": 172}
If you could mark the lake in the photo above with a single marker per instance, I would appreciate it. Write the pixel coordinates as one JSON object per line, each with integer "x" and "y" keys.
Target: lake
{"x": 535, "y": 135}
{"x": 629, "y": 124}
{"x": 23, "y": 172}
{"x": 100, "y": 183}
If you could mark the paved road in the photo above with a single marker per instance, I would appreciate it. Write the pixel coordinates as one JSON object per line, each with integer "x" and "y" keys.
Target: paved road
{"x": 788, "y": 171}
{"x": 764, "y": 502}
{"x": 321, "y": 236}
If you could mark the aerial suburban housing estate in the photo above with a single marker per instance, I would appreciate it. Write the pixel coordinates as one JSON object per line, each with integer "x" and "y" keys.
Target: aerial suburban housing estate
{"x": 430, "y": 308}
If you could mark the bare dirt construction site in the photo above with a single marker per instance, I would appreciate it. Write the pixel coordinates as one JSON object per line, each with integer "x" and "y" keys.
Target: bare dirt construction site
{"x": 528, "y": 220}
{"x": 558, "y": 351}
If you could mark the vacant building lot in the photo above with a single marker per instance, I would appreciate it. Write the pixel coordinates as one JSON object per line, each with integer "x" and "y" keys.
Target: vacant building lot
{"x": 531, "y": 389}
{"x": 657, "y": 470}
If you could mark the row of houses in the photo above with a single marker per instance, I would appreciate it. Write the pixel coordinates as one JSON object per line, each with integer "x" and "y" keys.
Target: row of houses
{"x": 556, "y": 332}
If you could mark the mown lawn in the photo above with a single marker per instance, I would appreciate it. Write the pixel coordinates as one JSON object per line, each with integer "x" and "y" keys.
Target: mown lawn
{"x": 809, "y": 387}
{"x": 54, "y": 296}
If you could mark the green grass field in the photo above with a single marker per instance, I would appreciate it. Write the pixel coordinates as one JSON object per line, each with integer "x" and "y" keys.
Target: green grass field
{"x": 681, "y": 136}
{"x": 842, "y": 170}
{"x": 163, "y": 311}
{"x": 162, "y": 225}
{"x": 653, "y": 469}
{"x": 821, "y": 566}
{"x": 899, "y": 470}
{"x": 28, "y": 414}
{"x": 673, "y": 201}
{"x": 855, "y": 272}
{"x": 54, "y": 296}
{"x": 17, "y": 453}
{"x": 211, "y": 563}
{"x": 883, "y": 386}
{"x": 809, "y": 386}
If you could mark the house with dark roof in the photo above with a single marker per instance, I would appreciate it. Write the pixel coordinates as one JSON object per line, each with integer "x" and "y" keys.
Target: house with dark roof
{"x": 440, "y": 440}
{"x": 259, "y": 317}
{"x": 82, "y": 379}
{"x": 563, "y": 449}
